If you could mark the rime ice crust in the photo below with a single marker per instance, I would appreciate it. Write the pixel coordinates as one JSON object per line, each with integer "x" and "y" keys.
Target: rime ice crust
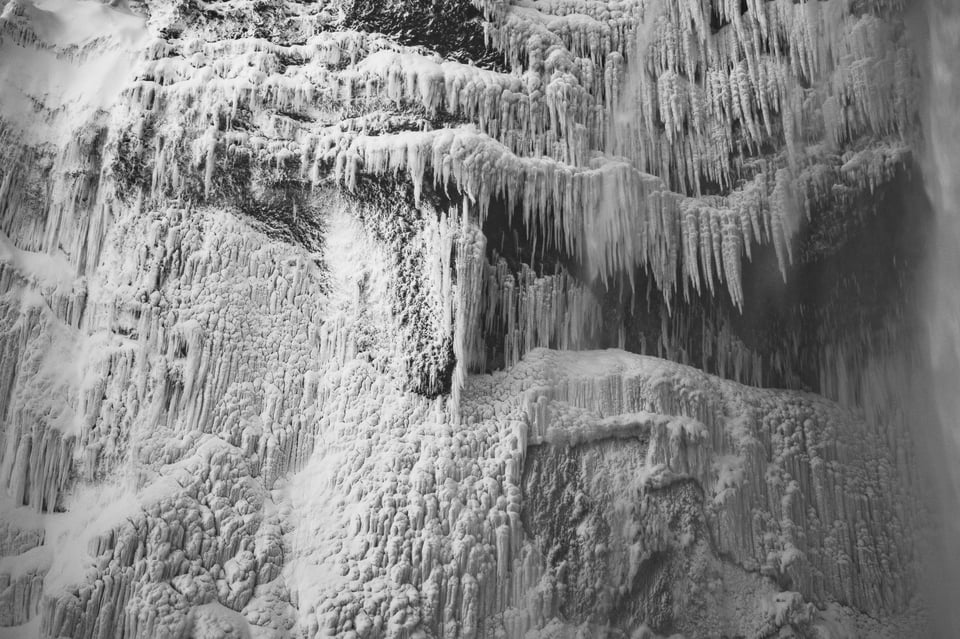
{"x": 238, "y": 401}
{"x": 653, "y": 459}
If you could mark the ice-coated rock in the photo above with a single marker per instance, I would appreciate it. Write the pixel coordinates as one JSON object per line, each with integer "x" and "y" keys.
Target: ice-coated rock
{"x": 295, "y": 319}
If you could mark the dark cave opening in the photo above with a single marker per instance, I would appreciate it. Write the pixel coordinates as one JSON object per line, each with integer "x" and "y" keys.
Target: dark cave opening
{"x": 854, "y": 287}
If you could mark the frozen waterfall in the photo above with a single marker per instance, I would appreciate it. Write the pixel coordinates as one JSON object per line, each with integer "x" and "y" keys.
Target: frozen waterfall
{"x": 472, "y": 319}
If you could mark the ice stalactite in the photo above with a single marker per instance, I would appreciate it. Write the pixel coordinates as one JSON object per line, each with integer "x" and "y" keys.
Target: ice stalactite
{"x": 559, "y": 109}
{"x": 719, "y": 350}
{"x": 612, "y": 217}
{"x": 830, "y": 45}
{"x": 468, "y": 341}
{"x": 548, "y": 123}
{"x": 531, "y": 312}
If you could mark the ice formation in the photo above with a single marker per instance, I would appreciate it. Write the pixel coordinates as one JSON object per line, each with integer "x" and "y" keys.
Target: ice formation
{"x": 296, "y": 323}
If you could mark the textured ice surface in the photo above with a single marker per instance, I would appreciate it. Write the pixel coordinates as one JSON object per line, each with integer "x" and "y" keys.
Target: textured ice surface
{"x": 245, "y": 291}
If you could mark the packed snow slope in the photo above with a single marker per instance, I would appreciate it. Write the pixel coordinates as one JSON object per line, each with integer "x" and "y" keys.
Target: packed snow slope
{"x": 297, "y": 302}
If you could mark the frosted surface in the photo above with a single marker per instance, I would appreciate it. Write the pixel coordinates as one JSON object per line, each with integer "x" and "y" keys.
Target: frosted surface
{"x": 267, "y": 370}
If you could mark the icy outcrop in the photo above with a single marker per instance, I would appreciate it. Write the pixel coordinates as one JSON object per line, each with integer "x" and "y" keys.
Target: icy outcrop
{"x": 752, "y": 453}
{"x": 442, "y": 536}
{"x": 287, "y": 312}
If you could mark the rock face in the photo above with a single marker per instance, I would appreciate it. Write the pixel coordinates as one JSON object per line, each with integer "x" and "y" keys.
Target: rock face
{"x": 303, "y": 310}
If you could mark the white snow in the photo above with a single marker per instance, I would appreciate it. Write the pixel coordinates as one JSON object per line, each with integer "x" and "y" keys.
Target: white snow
{"x": 92, "y": 62}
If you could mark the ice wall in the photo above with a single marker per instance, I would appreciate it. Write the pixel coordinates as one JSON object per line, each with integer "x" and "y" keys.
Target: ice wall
{"x": 247, "y": 303}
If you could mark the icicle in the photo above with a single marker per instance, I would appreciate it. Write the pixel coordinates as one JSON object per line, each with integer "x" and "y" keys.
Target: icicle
{"x": 470, "y": 261}
{"x": 732, "y": 242}
{"x": 706, "y": 246}
{"x": 783, "y": 218}
{"x": 691, "y": 239}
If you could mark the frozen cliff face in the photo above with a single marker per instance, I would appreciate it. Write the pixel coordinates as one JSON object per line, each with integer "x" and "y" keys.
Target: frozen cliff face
{"x": 295, "y": 303}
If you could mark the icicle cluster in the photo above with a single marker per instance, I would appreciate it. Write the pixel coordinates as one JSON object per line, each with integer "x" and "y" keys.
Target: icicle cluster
{"x": 687, "y": 114}
{"x": 546, "y": 123}
{"x": 611, "y": 216}
{"x": 468, "y": 343}
{"x": 692, "y": 103}
{"x": 531, "y": 312}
